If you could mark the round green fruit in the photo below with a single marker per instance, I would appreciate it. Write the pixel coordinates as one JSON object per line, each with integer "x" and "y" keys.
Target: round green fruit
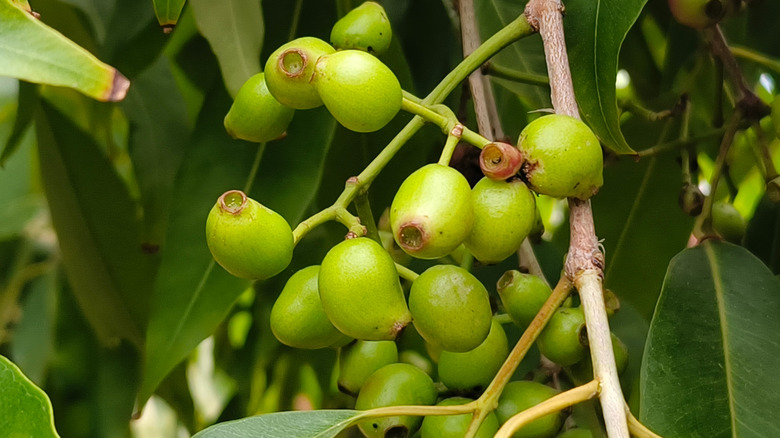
{"x": 564, "y": 339}
{"x": 562, "y": 157}
{"x": 357, "y": 361}
{"x": 576, "y": 433}
{"x": 395, "y": 385}
{"x": 361, "y": 292}
{"x": 289, "y": 71}
{"x": 521, "y": 395}
{"x": 432, "y": 212}
{"x": 450, "y": 308}
{"x": 455, "y": 426}
{"x": 691, "y": 199}
{"x": 504, "y": 214}
{"x": 699, "y": 14}
{"x": 246, "y": 238}
{"x": 360, "y": 91}
{"x": 727, "y": 222}
{"x": 255, "y": 114}
{"x": 475, "y": 369}
{"x": 522, "y": 295}
{"x": 297, "y": 317}
{"x": 364, "y": 28}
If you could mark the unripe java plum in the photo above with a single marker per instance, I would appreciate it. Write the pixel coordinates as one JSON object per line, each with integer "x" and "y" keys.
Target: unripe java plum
{"x": 728, "y": 222}
{"x": 562, "y": 157}
{"x": 699, "y": 14}
{"x": 504, "y": 214}
{"x": 521, "y": 395}
{"x": 289, "y": 71}
{"x": 246, "y": 238}
{"x": 364, "y": 28}
{"x": 357, "y": 361}
{"x": 455, "y": 426}
{"x": 450, "y": 308}
{"x": 522, "y": 295}
{"x": 255, "y": 115}
{"x": 395, "y": 385}
{"x": 361, "y": 292}
{"x": 475, "y": 369}
{"x": 432, "y": 212}
{"x": 564, "y": 339}
{"x": 360, "y": 91}
{"x": 297, "y": 317}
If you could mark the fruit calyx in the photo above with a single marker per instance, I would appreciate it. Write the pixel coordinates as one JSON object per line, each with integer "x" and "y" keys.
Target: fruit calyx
{"x": 233, "y": 202}
{"x": 412, "y": 236}
{"x": 293, "y": 62}
{"x": 500, "y": 161}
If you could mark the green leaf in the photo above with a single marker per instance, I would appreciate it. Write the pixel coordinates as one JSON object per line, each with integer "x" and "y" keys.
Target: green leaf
{"x": 168, "y": 11}
{"x": 33, "y": 339}
{"x": 97, "y": 229}
{"x": 28, "y": 102}
{"x": 34, "y": 52}
{"x": 762, "y": 237}
{"x": 295, "y": 424}
{"x": 25, "y": 410}
{"x": 711, "y": 358}
{"x": 594, "y": 33}
{"x": 235, "y": 30}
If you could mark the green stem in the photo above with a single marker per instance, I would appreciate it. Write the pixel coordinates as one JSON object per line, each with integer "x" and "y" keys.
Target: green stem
{"x": 763, "y": 152}
{"x": 499, "y": 71}
{"x": 674, "y": 144}
{"x": 634, "y": 107}
{"x": 467, "y": 261}
{"x": 449, "y": 148}
{"x": 255, "y": 165}
{"x": 446, "y": 124}
{"x": 758, "y": 58}
{"x": 406, "y": 273}
{"x": 366, "y": 216}
{"x": 295, "y": 19}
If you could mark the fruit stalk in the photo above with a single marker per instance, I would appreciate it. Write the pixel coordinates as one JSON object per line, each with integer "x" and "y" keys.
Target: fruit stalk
{"x": 585, "y": 262}
{"x": 446, "y": 124}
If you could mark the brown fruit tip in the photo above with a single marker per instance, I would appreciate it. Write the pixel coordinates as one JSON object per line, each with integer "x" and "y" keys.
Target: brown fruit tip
{"x": 233, "y": 201}
{"x": 412, "y": 236}
{"x": 292, "y": 62}
{"x": 500, "y": 161}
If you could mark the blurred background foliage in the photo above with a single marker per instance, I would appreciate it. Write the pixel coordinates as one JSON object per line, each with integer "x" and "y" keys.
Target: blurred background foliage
{"x": 109, "y": 298}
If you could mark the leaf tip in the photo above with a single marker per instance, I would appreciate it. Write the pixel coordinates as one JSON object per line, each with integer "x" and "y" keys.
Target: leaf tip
{"x": 119, "y": 87}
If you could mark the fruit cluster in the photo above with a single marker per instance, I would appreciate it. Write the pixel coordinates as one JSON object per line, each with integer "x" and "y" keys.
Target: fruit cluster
{"x": 354, "y": 301}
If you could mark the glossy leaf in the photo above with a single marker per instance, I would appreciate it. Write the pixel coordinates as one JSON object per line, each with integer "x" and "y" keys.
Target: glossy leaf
{"x": 34, "y": 52}
{"x": 168, "y": 11}
{"x": 235, "y": 31}
{"x": 193, "y": 294}
{"x": 25, "y": 410}
{"x": 711, "y": 358}
{"x": 295, "y": 424}
{"x": 594, "y": 33}
{"x": 97, "y": 228}
{"x": 28, "y": 101}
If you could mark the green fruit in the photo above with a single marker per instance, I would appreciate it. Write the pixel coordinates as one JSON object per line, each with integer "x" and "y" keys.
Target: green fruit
{"x": 699, "y": 14}
{"x": 521, "y": 395}
{"x": 475, "y": 369}
{"x": 432, "y": 212}
{"x": 297, "y": 317}
{"x": 360, "y": 91}
{"x": 450, "y": 308}
{"x": 562, "y": 157}
{"x": 361, "y": 292}
{"x": 691, "y": 199}
{"x": 522, "y": 295}
{"x": 246, "y": 238}
{"x": 395, "y": 385}
{"x": 364, "y": 28}
{"x": 576, "y": 433}
{"x": 564, "y": 339}
{"x": 504, "y": 214}
{"x": 413, "y": 357}
{"x": 290, "y": 69}
{"x": 357, "y": 361}
{"x": 255, "y": 115}
{"x": 455, "y": 426}
{"x": 727, "y": 222}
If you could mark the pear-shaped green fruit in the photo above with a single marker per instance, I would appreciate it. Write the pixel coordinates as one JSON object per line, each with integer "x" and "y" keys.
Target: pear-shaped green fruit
{"x": 562, "y": 157}
{"x": 289, "y": 71}
{"x": 364, "y": 28}
{"x": 255, "y": 114}
{"x": 246, "y": 238}
{"x": 432, "y": 212}
{"x": 576, "y": 433}
{"x": 357, "y": 361}
{"x": 504, "y": 214}
{"x": 455, "y": 426}
{"x": 360, "y": 91}
{"x": 297, "y": 317}
{"x": 413, "y": 357}
{"x": 395, "y": 385}
{"x": 450, "y": 308}
{"x": 728, "y": 222}
{"x": 564, "y": 340}
{"x": 475, "y": 369}
{"x": 522, "y": 295}
{"x": 521, "y": 395}
{"x": 361, "y": 292}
